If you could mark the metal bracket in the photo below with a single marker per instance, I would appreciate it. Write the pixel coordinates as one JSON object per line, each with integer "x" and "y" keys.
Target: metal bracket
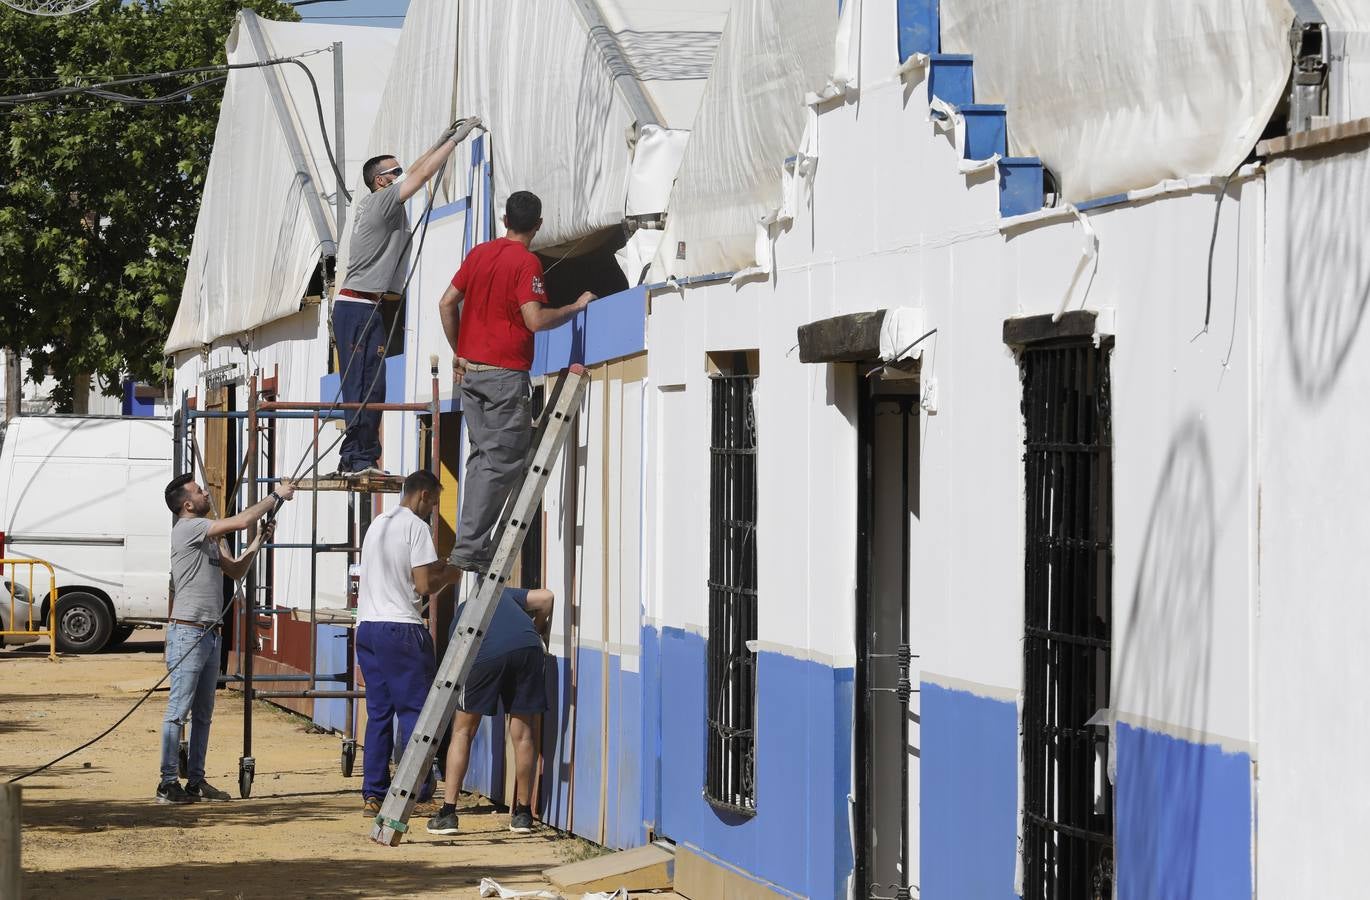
{"x": 1310, "y": 42}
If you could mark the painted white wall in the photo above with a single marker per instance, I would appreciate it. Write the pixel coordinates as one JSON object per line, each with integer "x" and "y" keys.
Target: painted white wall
{"x": 1313, "y": 626}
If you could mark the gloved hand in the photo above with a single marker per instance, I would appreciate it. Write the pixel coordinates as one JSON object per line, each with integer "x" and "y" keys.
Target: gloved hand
{"x": 457, "y": 132}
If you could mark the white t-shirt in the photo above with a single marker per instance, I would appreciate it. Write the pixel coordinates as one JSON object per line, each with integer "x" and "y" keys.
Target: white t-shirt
{"x": 396, "y": 543}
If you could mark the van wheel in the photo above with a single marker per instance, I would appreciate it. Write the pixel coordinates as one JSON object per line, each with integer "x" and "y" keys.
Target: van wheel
{"x": 120, "y": 634}
{"x": 84, "y": 624}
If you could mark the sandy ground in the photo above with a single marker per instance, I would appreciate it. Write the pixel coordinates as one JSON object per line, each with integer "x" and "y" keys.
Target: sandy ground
{"x": 93, "y": 830}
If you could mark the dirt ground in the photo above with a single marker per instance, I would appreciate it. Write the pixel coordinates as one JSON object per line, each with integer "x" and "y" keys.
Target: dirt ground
{"x": 93, "y": 830}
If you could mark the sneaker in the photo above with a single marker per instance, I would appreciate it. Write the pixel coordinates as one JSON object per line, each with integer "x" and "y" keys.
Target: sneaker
{"x": 443, "y": 823}
{"x": 372, "y": 807}
{"x": 172, "y": 792}
{"x": 521, "y": 822}
{"x": 206, "y": 791}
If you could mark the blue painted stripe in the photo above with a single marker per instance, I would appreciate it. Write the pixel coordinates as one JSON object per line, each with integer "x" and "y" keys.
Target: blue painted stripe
{"x": 969, "y": 778}
{"x": 1110, "y": 200}
{"x": 590, "y": 731}
{"x": 449, "y": 209}
{"x": 330, "y": 655}
{"x": 612, "y": 327}
{"x": 798, "y": 839}
{"x": 1183, "y": 818}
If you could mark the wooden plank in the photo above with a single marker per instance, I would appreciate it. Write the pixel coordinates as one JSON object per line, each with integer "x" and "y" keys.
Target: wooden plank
{"x": 367, "y": 484}
{"x": 1314, "y": 137}
{"x": 649, "y": 868}
{"x": 850, "y": 338}
{"x": 613, "y": 385}
{"x": 702, "y": 878}
{"x": 11, "y": 841}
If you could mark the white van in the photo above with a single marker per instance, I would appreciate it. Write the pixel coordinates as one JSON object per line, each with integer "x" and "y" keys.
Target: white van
{"x": 84, "y": 493}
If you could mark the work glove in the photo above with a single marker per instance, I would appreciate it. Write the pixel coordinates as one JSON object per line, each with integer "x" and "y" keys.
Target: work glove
{"x": 459, "y": 129}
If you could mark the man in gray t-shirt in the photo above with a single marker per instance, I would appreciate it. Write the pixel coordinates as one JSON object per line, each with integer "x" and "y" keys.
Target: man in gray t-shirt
{"x": 376, "y": 267}
{"x": 199, "y": 562}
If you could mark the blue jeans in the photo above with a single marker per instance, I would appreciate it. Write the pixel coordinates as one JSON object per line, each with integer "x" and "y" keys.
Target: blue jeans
{"x": 397, "y": 661}
{"x": 360, "y": 336}
{"x": 193, "y": 683}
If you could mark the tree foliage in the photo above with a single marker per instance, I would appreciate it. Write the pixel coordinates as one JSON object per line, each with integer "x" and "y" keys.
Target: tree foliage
{"x": 98, "y": 199}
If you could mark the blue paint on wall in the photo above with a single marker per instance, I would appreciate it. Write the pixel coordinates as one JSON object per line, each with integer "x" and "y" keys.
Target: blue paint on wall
{"x": 798, "y": 839}
{"x": 330, "y": 658}
{"x": 590, "y": 730}
{"x": 612, "y": 327}
{"x": 650, "y": 739}
{"x": 1183, "y": 813}
{"x": 918, "y": 27}
{"x": 133, "y": 405}
{"x": 969, "y": 795}
{"x": 554, "y": 802}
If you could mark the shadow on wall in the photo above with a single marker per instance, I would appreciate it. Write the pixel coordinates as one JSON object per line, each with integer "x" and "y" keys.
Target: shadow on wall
{"x": 1164, "y": 674}
{"x": 1327, "y": 268}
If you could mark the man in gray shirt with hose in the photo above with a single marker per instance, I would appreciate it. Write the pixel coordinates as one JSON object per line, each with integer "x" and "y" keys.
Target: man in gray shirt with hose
{"x": 199, "y": 560}
{"x": 376, "y": 269}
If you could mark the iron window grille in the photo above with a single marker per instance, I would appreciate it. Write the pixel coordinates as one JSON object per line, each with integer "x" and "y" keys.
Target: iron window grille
{"x": 730, "y": 777}
{"x": 1068, "y": 800}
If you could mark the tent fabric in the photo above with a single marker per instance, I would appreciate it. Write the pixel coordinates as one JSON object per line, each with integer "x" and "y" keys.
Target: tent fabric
{"x": 552, "y": 92}
{"x": 266, "y": 214}
{"x": 751, "y": 119}
{"x": 1114, "y": 95}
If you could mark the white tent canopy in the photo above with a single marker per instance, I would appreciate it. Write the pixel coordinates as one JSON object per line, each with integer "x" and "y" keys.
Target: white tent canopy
{"x": 1117, "y": 95}
{"x": 266, "y": 214}
{"x": 586, "y": 101}
{"x": 773, "y": 53}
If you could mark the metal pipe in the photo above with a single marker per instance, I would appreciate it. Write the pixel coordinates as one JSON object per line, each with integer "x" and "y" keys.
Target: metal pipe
{"x": 272, "y": 405}
{"x": 249, "y": 632}
{"x": 322, "y": 548}
{"x": 339, "y": 146}
{"x": 310, "y": 695}
{"x": 264, "y": 414}
{"x": 238, "y": 679}
{"x": 314, "y": 495}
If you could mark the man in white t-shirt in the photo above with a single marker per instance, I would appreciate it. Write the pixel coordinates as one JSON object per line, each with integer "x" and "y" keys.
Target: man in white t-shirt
{"x": 394, "y": 649}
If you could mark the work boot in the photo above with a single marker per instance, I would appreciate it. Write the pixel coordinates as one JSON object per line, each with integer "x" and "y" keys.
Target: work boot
{"x": 172, "y": 792}
{"x": 521, "y": 822}
{"x": 206, "y": 791}
{"x": 372, "y": 807}
{"x": 445, "y": 822}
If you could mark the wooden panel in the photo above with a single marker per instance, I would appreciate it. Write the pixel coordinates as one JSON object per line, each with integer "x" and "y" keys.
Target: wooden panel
{"x": 700, "y": 878}
{"x": 649, "y": 868}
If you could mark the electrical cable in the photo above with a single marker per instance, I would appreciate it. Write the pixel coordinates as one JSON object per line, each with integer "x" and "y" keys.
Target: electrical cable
{"x": 1213, "y": 246}
{"x": 270, "y": 517}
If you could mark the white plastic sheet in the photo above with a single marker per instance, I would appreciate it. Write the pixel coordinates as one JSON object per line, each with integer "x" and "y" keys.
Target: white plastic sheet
{"x": 752, "y": 118}
{"x": 266, "y": 216}
{"x": 1120, "y": 94}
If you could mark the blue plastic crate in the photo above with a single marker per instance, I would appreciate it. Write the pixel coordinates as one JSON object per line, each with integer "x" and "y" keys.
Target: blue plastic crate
{"x": 950, "y": 77}
{"x": 1020, "y": 185}
{"x": 986, "y": 130}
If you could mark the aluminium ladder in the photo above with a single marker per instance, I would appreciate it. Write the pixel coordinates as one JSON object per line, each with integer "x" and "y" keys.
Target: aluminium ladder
{"x": 414, "y": 767}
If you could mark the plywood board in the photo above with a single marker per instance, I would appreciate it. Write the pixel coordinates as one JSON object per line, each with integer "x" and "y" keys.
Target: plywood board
{"x": 649, "y": 868}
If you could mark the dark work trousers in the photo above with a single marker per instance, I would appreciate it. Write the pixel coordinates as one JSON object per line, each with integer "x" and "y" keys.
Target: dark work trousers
{"x": 360, "y": 336}
{"x": 495, "y": 409}
{"x": 397, "y": 662}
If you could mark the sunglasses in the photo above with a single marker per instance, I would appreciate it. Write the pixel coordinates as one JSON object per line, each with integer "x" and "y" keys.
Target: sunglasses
{"x": 396, "y": 171}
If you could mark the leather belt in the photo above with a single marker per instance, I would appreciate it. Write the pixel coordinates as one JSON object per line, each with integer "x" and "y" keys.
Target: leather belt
{"x": 200, "y": 625}
{"x": 359, "y": 295}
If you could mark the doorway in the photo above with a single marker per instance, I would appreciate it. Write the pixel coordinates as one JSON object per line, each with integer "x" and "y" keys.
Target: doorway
{"x": 887, "y": 711}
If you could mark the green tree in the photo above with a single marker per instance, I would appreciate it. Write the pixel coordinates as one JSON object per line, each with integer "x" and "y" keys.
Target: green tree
{"x": 98, "y": 199}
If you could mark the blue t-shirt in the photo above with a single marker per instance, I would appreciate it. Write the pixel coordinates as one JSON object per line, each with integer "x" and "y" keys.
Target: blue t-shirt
{"x": 511, "y": 628}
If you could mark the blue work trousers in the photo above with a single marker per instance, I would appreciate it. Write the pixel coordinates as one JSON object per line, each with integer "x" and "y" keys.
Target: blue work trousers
{"x": 360, "y": 335}
{"x": 398, "y": 664}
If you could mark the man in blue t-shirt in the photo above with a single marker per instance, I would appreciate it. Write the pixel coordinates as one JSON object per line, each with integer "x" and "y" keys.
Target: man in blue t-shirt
{"x": 508, "y": 675}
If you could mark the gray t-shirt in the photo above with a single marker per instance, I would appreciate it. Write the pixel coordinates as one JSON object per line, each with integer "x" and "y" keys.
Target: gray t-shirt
{"x": 195, "y": 573}
{"x": 380, "y": 229}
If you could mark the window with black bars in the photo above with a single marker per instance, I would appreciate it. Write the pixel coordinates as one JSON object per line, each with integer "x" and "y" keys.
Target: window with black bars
{"x": 730, "y": 776}
{"x": 1068, "y": 800}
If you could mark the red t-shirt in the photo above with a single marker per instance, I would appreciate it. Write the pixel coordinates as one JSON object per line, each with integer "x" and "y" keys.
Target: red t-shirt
{"x": 496, "y": 279}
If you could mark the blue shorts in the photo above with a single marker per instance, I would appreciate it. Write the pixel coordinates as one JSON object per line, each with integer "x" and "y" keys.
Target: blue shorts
{"x": 513, "y": 683}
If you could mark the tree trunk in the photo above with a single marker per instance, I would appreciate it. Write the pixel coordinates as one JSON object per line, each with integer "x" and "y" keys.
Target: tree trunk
{"x": 80, "y": 394}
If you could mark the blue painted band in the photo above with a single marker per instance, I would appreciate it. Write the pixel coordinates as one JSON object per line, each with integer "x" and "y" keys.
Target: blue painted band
{"x": 1110, "y": 200}
{"x": 449, "y": 209}
{"x": 610, "y": 328}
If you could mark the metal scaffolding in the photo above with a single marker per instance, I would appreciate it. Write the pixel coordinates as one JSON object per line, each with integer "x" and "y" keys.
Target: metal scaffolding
{"x": 259, "y": 425}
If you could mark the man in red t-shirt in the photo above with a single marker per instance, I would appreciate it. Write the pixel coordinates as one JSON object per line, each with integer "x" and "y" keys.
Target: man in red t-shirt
{"x": 490, "y": 311}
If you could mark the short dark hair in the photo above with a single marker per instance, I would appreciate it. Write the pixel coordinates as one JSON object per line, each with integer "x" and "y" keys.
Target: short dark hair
{"x": 176, "y": 492}
{"x": 523, "y": 209}
{"x": 420, "y": 480}
{"x": 372, "y": 167}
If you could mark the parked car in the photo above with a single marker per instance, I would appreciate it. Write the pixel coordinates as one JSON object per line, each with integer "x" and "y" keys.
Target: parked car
{"x": 84, "y": 493}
